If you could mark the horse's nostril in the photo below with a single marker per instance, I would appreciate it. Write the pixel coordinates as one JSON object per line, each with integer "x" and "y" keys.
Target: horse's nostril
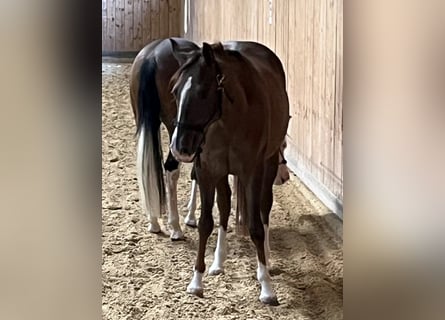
{"x": 184, "y": 151}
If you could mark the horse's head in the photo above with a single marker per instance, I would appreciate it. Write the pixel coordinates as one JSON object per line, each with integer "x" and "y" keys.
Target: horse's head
{"x": 196, "y": 89}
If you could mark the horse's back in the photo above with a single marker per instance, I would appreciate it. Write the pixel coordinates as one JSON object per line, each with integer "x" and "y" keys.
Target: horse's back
{"x": 261, "y": 57}
{"x": 161, "y": 51}
{"x": 166, "y": 65}
{"x": 271, "y": 87}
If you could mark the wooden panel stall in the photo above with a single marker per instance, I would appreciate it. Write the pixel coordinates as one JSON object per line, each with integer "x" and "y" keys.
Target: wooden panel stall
{"x": 128, "y": 25}
{"x": 307, "y": 35}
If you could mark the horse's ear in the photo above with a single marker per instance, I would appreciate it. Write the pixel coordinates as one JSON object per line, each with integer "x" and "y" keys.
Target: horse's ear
{"x": 180, "y": 55}
{"x": 207, "y": 52}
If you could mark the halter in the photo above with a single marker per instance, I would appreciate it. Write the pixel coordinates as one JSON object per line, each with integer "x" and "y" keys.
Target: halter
{"x": 220, "y": 77}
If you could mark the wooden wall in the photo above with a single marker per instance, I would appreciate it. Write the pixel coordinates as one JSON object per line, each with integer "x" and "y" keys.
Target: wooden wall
{"x": 128, "y": 25}
{"x": 307, "y": 35}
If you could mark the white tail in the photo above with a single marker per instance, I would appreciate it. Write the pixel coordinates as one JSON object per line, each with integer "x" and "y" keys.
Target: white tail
{"x": 146, "y": 173}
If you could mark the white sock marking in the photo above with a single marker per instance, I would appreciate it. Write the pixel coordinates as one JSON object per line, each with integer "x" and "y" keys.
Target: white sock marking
{"x": 220, "y": 253}
{"x": 267, "y": 293}
{"x": 195, "y": 286}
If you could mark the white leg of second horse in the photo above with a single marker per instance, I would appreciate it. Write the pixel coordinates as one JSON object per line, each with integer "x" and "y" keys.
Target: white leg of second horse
{"x": 234, "y": 190}
{"x": 172, "y": 202}
{"x": 190, "y": 219}
{"x": 217, "y": 266}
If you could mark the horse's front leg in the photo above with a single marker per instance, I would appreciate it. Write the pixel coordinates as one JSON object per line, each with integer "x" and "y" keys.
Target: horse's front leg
{"x": 205, "y": 227}
{"x": 172, "y": 168}
{"x": 223, "y": 201}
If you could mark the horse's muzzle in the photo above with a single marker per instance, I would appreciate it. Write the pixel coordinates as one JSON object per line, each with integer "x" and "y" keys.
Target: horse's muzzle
{"x": 184, "y": 147}
{"x": 182, "y": 157}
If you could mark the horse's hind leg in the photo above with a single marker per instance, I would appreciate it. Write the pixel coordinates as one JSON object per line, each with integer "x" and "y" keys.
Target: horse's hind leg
{"x": 257, "y": 234}
{"x": 223, "y": 201}
{"x": 172, "y": 168}
{"x": 205, "y": 227}
{"x": 266, "y": 202}
{"x": 190, "y": 219}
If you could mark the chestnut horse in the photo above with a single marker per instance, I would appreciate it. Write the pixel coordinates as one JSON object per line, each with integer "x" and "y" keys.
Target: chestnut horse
{"x": 152, "y": 104}
{"x": 232, "y": 118}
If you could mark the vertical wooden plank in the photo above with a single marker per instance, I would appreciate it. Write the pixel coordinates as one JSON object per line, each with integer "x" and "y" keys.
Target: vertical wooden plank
{"x": 282, "y": 33}
{"x": 174, "y": 18}
{"x": 197, "y": 10}
{"x": 137, "y": 25}
{"x": 128, "y": 25}
{"x": 146, "y": 22}
{"x": 242, "y": 23}
{"x": 252, "y": 25}
{"x": 296, "y": 77}
{"x": 204, "y": 16}
{"x": 226, "y": 13}
{"x": 154, "y": 14}
{"x": 188, "y": 14}
{"x": 120, "y": 25}
{"x": 260, "y": 23}
{"x": 111, "y": 17}
{"x": 338, "y": 150}
{"x": 182, "y": 14}
{"x": 324, "y": 113}
{"x": 217, "y": 22}
{"x": 308, "y": 60}
{"x": 266, "y": 27}
{"x": 328, "y": 126}
{"x": 225, "y": 20}
{"x": 209, "y": 16}
{"x": 163, "y": 19}
{"x": 104, "y": 24}
{"x": 300, "y": 71}
{"x": 314, "y": 139}
{"x": 322, "y": 169}
{"x": 194, "y": 19}
{"x": 235, "y": 23}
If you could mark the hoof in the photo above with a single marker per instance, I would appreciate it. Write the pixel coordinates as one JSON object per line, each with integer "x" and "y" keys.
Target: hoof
{"x": 154, "y": 227}
{"x": 269, "y": 300}
{"x": 176, "y": 235}
{"x": 214, "y": 271}
{"x": 199, "y": 292}
{"x": 190, "y": 222}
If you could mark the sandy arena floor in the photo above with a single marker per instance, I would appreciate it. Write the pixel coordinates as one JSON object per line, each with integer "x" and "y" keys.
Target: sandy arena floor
{"x": 145, "y": 275}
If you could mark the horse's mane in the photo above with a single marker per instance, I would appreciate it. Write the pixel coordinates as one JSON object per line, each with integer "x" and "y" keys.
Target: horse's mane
{"x": 219, "y": 52}
{"x": 174, "y": 79}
